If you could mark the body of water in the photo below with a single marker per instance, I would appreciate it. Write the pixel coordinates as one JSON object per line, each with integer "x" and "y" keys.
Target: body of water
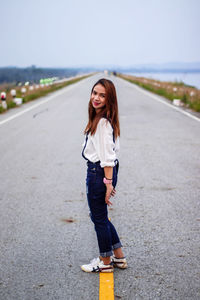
{"x": 188, "y": 78}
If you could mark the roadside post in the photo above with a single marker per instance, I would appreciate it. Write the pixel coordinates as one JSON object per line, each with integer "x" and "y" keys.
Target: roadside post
{"x": 13, "y": 94}
{"x": 3, "y": 100}
{"x": 23, "y": 91}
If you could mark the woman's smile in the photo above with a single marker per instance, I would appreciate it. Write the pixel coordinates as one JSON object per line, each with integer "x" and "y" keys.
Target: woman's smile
{"x": 95, "y": 103}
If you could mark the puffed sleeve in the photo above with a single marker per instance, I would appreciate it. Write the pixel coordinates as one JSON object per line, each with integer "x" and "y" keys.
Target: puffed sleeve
{"x": 104, "y": 144}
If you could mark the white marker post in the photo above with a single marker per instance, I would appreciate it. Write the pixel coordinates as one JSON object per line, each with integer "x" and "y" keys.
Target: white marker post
{"x": 17, "y": 101}
{"x": 13, "y": 94}
{"x": 177, "y": 102}
{"x": 3, "y": 100}
{"x": 23, "y": 90}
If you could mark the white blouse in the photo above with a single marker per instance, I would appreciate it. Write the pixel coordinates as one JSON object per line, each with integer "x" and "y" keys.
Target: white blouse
{"x": 100, "y": 146}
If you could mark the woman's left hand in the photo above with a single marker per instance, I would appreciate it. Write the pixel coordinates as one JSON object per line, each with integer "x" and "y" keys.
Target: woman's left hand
{"x": 110, "y": 191}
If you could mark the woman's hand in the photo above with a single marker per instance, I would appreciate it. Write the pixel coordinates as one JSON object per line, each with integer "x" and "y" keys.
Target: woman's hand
{"x": 110, "y": 191}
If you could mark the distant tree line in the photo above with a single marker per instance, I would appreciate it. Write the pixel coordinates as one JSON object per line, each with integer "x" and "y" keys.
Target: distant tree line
{"x": 34, "y": 74}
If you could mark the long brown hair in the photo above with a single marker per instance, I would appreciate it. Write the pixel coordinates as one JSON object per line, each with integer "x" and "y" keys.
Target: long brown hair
{"x": 109, "y": 111}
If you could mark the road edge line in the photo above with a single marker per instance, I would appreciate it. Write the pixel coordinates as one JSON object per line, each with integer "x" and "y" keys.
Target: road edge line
{"x": 50, "y": 97}
{"x": 155, "y": 97}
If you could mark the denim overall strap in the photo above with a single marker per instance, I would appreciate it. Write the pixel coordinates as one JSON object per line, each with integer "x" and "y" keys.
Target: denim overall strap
{"x": 116, "y": 160}
{"x": 86, "y": 139}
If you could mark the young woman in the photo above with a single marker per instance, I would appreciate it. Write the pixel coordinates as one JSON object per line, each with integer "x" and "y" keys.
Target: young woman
{"x": 100, "y": 151}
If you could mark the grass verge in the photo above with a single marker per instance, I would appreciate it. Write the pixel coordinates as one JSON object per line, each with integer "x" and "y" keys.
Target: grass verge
{"x": 35, "y": 93}
{"x": 189, "y": 95}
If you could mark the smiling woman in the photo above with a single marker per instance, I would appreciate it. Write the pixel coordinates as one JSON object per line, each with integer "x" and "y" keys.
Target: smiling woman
{"x": 101, "y": 151}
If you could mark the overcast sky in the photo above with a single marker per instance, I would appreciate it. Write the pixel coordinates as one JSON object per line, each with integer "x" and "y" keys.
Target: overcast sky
{"x": 65, "y": 33}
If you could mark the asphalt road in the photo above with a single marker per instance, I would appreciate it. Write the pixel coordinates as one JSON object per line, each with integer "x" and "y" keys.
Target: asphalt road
{"x": 45, "y": 229}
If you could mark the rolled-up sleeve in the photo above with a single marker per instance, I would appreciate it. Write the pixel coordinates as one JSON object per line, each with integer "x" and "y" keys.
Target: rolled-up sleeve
{"x": 104, "y": 144}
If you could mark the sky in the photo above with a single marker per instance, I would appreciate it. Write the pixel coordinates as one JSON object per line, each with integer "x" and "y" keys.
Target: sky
{"x": 79, "y": 33}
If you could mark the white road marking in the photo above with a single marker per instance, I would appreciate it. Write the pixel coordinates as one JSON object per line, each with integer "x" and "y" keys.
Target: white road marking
{"x": 35, "y": 105}
{"x": 166, "y": 103}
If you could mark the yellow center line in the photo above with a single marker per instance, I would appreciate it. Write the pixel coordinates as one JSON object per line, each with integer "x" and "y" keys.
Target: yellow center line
{"x": 106, "y": 286}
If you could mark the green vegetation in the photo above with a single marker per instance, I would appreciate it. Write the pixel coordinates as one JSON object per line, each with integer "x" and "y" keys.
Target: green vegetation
{"x": 34, "y": 94}
{"x": 189, "y": 96}
{"x": 1, "y": 110}
{"x": 52, "y": 88}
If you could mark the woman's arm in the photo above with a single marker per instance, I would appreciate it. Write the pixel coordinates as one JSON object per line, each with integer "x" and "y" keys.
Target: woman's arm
{"x": 110, "y": 191}
{"x": 104, "y": 145}
{"x": 108, "y": 171}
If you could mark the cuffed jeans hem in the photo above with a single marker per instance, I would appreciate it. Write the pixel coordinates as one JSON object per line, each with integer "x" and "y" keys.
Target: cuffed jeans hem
{"x": 106, "y": 254}
{"x": 116, "y": 246}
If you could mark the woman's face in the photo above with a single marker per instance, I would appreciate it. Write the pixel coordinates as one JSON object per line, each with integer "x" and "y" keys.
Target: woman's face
{"x": 98, "y": 97}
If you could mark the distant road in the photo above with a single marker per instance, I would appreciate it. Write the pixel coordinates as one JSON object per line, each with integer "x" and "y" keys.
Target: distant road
{"x": 45, "y": 229}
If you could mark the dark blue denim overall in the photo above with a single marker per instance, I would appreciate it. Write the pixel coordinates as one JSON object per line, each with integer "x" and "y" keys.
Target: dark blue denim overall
{"x": 107, "y": 236}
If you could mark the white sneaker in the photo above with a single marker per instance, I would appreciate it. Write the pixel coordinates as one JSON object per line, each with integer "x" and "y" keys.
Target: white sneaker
{"x": 119, "y": 262}
{"x": 97, "y": 265}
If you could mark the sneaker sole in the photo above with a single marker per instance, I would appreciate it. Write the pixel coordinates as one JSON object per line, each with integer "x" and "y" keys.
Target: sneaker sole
{"x": 123, "y": 266}
{"x": 100, "y": 271}
{"x": 87, "y": 271}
